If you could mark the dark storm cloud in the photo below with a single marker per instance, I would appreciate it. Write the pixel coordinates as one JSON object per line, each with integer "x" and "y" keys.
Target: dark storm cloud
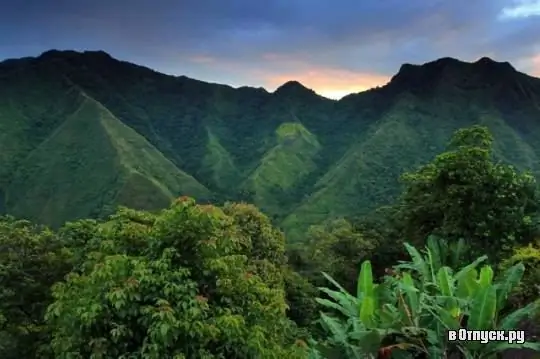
{"x": 241, "y": 37}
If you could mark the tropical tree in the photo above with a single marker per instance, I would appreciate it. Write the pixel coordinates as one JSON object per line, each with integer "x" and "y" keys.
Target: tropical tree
{"x": 334, "y": 247}
{"x": 187, "y": 282}
{"x": 32, "y": 258}
{"x": 464, "y": 193}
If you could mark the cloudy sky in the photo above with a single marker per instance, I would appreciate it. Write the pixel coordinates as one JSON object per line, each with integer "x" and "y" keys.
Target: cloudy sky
{"x": 332, "y": 46}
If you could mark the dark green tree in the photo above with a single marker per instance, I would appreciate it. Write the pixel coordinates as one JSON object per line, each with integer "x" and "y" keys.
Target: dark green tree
{"x": 334, "y": 247}
{"x": 31, "y": 260}
{"x": 464, "y": 193}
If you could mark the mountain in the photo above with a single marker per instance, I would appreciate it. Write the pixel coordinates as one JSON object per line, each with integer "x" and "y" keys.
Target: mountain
{"x": 81, "y": 133}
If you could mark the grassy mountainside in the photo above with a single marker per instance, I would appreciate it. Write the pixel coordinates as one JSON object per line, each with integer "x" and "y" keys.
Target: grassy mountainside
{"x": 81, "y": 132}
{"x": 282, "y": 167}
{"x": 218, "y": 164}
{"x": 91, "y": 161}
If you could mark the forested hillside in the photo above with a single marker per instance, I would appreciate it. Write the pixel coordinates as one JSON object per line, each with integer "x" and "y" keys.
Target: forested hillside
{"x": 458, "y": 249}
{"x": 81, "y": 133}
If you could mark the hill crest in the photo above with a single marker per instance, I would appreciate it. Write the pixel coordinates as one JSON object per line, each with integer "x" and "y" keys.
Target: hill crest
{"x": 407, "y": 74}
{"x": 299, "y": 156}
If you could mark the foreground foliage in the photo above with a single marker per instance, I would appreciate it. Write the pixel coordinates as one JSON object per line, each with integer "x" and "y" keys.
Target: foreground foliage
{"x": 193, "y": 281}
{"x": 32, "y": 259}
{"x": 409, "y": 313}
{"x": 529, "y": 288}
{"x": 200, "y": 281}
{"x": 199, "y": 287}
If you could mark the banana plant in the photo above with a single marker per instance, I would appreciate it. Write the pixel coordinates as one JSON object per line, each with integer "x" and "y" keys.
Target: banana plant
{"x": 411, "y": 311}
{"x": 468, "y": 294}
{"x": 374, "y": 319}
{"x": 437, "y": 254}
{"x": 483, "y": 301}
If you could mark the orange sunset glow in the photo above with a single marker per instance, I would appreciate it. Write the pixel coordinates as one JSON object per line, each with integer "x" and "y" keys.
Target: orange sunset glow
{"x": 328, "y": 82}
{"x": 273, "y": 70}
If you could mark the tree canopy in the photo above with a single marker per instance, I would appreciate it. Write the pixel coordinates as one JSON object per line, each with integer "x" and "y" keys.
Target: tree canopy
{"x": 464, "y": 193}
{"x": 201, "y": 281}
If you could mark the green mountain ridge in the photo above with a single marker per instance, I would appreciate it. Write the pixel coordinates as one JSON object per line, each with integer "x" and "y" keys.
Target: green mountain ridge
{"x": 91, "y": 161}
{"x": 83, "y": 132}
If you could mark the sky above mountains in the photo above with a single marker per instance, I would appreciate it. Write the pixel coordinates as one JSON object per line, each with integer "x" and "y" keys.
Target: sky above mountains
{"x": 332, "y": 46}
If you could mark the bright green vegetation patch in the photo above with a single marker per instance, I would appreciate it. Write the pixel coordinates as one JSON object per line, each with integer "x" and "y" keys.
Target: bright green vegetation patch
{"x": 284, "y": 165}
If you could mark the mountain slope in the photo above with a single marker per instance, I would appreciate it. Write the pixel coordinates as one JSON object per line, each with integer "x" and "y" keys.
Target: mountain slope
{"x": 218, "y": 164}
{"x": 81, "y": 132}
{"x": 282, "y": 167}
{"x": 92, "y": 161}
{"x": 416, "y": 126}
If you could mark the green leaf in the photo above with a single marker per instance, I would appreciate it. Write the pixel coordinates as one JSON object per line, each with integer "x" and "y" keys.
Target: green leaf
{"x": 411, "y": 293}
{"x": 486, "y": 276}
{"x": 446, "y": 287}
{"x": 418, "y": 260}
{"x": 367, "y": 311}
{"x": 346, "y": 301}
{"x": 333, "y": 281}
{"x": 335, "y": 327}
{"x": 434, "y": 245}
{"x": 164, "y": 330}
{"x": 333, "y": 305}
{"x": 369, "y": 341}
{"x": 365, "y": 280}
{"x": 483, "y": 309}
{"x": 467, "y": 284}
{"x": 512, "y": 320}
{"x": 510, "y": 279}
{"x": 465, "y": 270}
{"x": 431, "y": 267}
{"x": 445, "y": 281}
{"x": 388, "y": 315}
{"x": 445, "y": 317}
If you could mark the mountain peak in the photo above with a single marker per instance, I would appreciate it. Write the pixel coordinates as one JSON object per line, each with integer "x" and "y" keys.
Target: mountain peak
{"x": 429, "y": 68}
{"x": 449, "y": 70}
{"x": 488, "y": 63}
{"x": 411, "y": 76}
{"x": 292, "y": 87}
{"x": 485, "y": 61}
